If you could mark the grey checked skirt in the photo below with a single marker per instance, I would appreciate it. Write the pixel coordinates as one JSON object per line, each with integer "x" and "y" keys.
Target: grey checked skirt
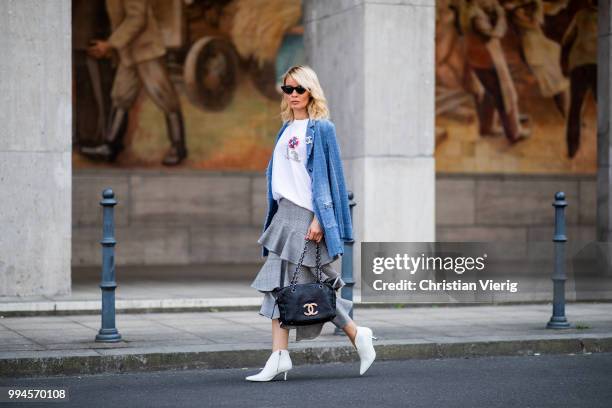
{"x": 284, "y": 238}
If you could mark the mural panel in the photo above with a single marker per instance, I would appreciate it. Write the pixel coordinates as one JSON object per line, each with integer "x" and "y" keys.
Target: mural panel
{"x": 516, "y": 84}
{"x": 180, "y": 82}
{"x": 193, "y": 83}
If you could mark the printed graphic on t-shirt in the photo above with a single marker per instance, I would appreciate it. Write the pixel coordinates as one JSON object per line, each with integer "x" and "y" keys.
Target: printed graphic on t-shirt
{"x": 292, "y": 153}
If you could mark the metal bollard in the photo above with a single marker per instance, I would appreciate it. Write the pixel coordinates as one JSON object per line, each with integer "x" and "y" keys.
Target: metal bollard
{"x": 108, "y": 332}
{"x": 558, "y": 319}
{"x": 347, "y": 266}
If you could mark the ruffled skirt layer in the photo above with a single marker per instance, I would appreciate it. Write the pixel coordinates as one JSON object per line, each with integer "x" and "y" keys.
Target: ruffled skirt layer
{"x": 285, "y": 238}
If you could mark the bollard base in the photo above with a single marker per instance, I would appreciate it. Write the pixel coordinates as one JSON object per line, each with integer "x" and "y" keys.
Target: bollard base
{"x": 108, "y": 336}
{"x": 558, "y": 322}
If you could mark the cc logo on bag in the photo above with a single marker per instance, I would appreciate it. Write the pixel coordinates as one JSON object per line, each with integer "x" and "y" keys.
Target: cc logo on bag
{"x": 310, "y": 309}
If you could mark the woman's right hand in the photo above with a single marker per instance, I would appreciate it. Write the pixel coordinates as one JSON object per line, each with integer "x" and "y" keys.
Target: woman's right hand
{"x": 315, "y": 232}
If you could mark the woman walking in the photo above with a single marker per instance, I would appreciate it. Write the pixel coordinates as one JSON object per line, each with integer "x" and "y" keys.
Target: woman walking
{"x": 307, "y": 202}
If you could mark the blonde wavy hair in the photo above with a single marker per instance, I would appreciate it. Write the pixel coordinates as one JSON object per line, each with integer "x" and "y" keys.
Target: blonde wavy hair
{"x": 317, "y": 105}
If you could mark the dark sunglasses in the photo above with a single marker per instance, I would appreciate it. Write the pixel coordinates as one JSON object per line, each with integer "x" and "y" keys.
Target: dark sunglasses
{"x": 289, "y": 89}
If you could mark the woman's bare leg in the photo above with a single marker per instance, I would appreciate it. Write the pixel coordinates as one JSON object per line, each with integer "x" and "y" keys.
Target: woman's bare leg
{"x": 351, "y": 331}
{"x": 280, "y": 336}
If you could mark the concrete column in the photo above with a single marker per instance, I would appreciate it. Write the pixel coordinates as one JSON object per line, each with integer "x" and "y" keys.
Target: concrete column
{"x": 35, "y": 147}
{"x": 604, "y": 111}
{"x": 375, "y": 61}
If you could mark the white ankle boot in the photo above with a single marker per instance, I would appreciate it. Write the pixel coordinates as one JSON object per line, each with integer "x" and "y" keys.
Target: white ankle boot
{"x": 365, "y": 348}
{"x": 279, "y": 362}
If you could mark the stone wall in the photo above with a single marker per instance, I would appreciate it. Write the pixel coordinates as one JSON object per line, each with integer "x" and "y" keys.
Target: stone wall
{"x": 194, "y": 217}
{"x": 175, "y": 218}
{"x": 509, "y": 208}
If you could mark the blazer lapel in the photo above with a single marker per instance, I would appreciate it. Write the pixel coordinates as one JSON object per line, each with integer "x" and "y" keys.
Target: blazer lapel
{"x": 309, "y": 138}
{"x": 280, "y": 132}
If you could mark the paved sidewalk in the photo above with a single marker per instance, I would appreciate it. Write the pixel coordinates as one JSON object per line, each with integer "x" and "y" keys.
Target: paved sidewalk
{"x": 143, "y": 295}
{"x": 47, "y": 345}
{"x": 175, "y": 294}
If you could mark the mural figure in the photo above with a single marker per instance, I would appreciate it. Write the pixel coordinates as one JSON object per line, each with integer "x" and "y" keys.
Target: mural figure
{"x": 483, "y": 101}
{"x": 138, "y": 42}
{"x": 483, "y": 23}
{"x": 580, "y": 58}
{"x": 542, "y": 55}
{"x": 92, "y": 77}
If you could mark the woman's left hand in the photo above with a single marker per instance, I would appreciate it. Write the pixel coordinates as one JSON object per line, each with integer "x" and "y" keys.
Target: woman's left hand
{"x": 315, "y": 232}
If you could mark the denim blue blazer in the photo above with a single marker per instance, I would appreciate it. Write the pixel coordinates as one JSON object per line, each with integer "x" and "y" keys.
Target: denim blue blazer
{"x": 329, "y": 196}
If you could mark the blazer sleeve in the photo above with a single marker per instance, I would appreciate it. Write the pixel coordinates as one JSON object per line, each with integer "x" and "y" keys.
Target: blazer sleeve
{"x": 134, "y": 22}
{"x": 338, "y": 183}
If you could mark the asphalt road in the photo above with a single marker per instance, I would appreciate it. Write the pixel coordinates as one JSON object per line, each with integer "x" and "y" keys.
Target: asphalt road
{"x": 529, "y": 381}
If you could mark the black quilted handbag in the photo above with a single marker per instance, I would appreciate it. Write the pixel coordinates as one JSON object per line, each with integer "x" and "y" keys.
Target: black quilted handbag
{"x": 306, "y": 303}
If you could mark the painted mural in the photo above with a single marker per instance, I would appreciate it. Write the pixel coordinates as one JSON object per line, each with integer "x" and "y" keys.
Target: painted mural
{"x": 193, "y": 83}
{"x": 189, "y": 83}
{"x": 515, "y": 86}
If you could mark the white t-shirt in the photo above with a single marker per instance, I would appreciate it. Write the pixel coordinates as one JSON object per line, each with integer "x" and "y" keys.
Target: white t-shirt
{"x": 290, "y": 178}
